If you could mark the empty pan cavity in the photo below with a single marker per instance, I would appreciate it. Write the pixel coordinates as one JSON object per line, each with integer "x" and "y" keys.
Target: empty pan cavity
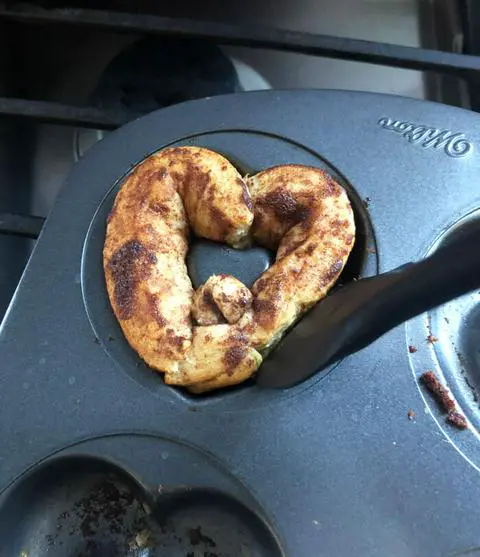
{"x": 73, "y": 506}
{"x": 82, "y": 506}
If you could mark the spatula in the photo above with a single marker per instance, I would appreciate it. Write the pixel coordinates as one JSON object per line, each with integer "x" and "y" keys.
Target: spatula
{"x": 357, "y": 314}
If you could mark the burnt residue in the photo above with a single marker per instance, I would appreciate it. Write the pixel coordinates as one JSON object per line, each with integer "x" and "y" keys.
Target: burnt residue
{"x": 108, "y": 512}
{"x": 105, "y": 504}
{"x": 130, "y": 264}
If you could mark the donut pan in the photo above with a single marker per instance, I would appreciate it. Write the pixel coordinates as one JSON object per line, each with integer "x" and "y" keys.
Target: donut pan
{"x": 100, "y": 458}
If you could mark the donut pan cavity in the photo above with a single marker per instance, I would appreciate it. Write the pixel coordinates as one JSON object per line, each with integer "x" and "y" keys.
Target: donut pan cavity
{"x": 78, "y": 503}
{"x": 250, "y": 152}
{"x": 100, "y": 457}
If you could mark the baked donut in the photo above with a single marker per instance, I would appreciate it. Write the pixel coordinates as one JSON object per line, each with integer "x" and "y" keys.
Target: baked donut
{"x": 212, "y": 338}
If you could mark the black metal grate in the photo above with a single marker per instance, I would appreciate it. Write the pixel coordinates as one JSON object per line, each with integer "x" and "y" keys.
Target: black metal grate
{"x": 458, "y": 65}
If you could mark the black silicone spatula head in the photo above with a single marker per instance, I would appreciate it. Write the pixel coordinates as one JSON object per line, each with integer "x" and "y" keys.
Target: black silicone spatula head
{"x": 359, "y": 313}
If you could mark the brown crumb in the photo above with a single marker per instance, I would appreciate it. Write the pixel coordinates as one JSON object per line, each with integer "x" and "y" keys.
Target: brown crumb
{"x": 431, "y": 339}
{"x": 412, "y": 349}
{"x": 457, "y": 419}
{"x": 441, "y": 393}
{"x": 197, "y": 537}
{"x": 411, "y": 414}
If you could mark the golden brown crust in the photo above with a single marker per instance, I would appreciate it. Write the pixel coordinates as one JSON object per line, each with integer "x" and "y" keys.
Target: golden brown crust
{"x": 217, "y": 350}
{"x": 307, "y": 217}
{"x": 300, "y": 211}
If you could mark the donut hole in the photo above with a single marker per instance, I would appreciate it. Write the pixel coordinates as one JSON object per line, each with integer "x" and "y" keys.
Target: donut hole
{"x": 206, "y": 258}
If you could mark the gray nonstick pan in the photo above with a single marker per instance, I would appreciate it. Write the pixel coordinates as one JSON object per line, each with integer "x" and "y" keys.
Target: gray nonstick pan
{"x": 99, "y": 456}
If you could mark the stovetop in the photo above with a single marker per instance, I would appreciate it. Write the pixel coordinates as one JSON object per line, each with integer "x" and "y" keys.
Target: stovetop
{"x": 358, "y": 461}
{"x": 67, "y": 64}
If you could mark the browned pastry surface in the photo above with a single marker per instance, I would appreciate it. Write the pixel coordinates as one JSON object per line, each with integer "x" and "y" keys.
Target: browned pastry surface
{"x": 209, "y": 339}
{"x": 304, "y": 215}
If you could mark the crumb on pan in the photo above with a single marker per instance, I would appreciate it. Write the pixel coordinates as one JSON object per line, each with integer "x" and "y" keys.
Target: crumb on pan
{"x": 412, "y": 349}
{"x": 441, "y": 393}
{"x": 457, "y": 419}
{"x": 411, "y": 414}
{"x": 431, "y": 339}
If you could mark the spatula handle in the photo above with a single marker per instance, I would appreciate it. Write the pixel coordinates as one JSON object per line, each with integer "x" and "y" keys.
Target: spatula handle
{"x": 357, "y": 314}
